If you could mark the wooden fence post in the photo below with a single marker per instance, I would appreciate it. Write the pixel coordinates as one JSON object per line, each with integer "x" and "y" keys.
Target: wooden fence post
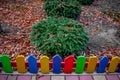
{"x": 102, "y": 64}
{"x": 80, "y": 64}
{"x": 92, "y": 64}
{"x": 32, "y": 63}
{"x": 44, "y": 63}
{"x": 20, "y": 62}
{"x": 6, "y": 64}
{"x": 57, "y": 64}
{"x": 68, "y": 66}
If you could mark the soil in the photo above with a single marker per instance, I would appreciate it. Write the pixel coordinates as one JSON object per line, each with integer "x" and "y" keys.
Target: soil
{"x": 102, "y": 30}
{"x": 18, "y": 17}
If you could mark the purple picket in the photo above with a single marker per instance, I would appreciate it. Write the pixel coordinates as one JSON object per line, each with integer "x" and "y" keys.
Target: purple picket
{"x": 57, "y": 64}
{"x": 103, "y": 64}
{"x": 32, "y": 63}
{"x": 68, "y": 66}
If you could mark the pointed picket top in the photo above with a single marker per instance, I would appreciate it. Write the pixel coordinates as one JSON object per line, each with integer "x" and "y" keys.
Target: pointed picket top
{"x": 20, "y": 62}
{"x": 80, "y": 64}
{"x": 6, "y": 64}
{"x": 103, "y": 64}
{"x": 92, "y": 64}
{"x": 32, "y": 63}
{"x": 113, "y": 64}
{"x": 44, "y": 63}
{"x": 68, "y": 66}
{"x": 57, "y": 64}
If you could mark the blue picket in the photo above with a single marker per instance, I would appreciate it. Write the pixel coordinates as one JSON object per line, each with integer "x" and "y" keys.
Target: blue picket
{"x": 102, "y": 64}
{"x": 32, "y": 63}
{"x": 57, "y": 64}
{"x": 118, "y": 70}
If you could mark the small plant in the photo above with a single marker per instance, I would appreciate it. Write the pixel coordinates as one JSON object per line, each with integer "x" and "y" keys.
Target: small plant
{"x": 59, "y": 35}
{"x": 85, "y": 2}
{"x": 65, "y": 8}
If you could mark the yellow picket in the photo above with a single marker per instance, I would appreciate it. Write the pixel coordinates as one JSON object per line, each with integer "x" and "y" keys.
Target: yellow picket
{"x": 113, "y": 64}
{"x": 20, "y": 62}
{"x": 92, "y": 64}
{"x": 44, "y": 62}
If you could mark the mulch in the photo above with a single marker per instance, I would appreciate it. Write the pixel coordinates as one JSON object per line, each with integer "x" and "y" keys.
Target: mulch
{"x": 18, "y": 17}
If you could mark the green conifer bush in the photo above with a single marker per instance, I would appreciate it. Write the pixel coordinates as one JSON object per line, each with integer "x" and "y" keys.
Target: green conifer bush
{"x": 59, "y": 35}
{"x": 65, "y": 8}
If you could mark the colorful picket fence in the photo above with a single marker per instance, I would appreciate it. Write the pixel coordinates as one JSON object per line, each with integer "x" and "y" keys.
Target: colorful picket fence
{"x": 56, "y": 65}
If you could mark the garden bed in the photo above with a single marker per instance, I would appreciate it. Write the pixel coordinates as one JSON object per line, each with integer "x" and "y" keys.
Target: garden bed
{"x": 17, "y": 26}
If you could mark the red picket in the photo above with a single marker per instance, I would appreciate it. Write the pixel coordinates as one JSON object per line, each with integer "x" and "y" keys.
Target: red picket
{"x": 68, "y": 66}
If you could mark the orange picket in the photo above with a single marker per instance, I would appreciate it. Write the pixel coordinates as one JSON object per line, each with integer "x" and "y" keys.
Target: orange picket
{"x": 44, "y": 61}
{"x": 92, "y": 64}
{"x": 20, "y": 62}
{"x": 113, "y": 64}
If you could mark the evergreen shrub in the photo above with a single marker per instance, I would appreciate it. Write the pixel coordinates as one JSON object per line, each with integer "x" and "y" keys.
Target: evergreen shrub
{"x": 59, "y": 35}
{"x": 65, "y": 8}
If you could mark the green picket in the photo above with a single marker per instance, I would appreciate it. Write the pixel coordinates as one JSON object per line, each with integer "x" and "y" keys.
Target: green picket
{"x": 80, "y": 64}
{"x": 6, "y": 65}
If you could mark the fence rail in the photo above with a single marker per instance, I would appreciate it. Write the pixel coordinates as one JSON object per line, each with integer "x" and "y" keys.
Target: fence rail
{"x": 57, "y": 65}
